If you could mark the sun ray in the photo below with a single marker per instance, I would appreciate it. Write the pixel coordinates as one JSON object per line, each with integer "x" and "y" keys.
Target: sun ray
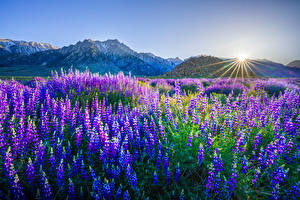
{"x": 222, "y": 68}
{"x": 259, "y": 63}
{"x": 240, "y": 67}
{"x": 246, "y": 69}
{"x": 232, "y": 65}
{"x": 232, "y": 73}
{"x": 217, "y": 63}
{"x": 242, "y": 70}
{"x": 248, "y": 64}
{"x": 237, "y": 72}
{"x": 253, "y": 65}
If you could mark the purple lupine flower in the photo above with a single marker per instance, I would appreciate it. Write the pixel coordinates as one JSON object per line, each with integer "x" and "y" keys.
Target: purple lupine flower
{"x": 167, "y": 109}
{"x": 131, "y": 176}
{"x": 177, "y": 173}
{"x": 168, "y": 176}
{"x": 87, "y": 122}
{"x": 93, "y": 173}
{"x": 231, "y": 183}
{"x": 83, "y": 171}
{"x": 166, "y": 162}
{"x": 214, "y": 179}
{"x": 40, "y": 152}
{"x": 46, "y": 189}
{"x": 158, "y": 160}
{"x": 257, "y": 141}
{"x": 257, "y": 172}
{"x": 17, "y": 188}
{"x": 106, "y": 189}
{"x": 245, "y": 164}
{"x": 13, "y": 177}
{"x": 277, "y": 177}
{"x": 161, "y": 129}
{"x": 94, "y": 142}
{"x": 78, "y": 136}
{"x": 119, "y": 192}
{"x": 209, "y": 140}
{"x": 97, "y": 189}
{"x": 60, "y": 174}
{"x": 71, "y": 190}
{"x": 30, "y": 172}
{"x": 201, "y": 154}
{"x": 2, "y": 137}
{"x": 294, "y": 192}
{"x": 155, "y": 178}
{"x": 126, "y": 195}
{"x": 125, "y": 143}
{"x": 240, "y": 142}
{"x": 68, "y": 151}
{"x": 190, "y": 139}
{"x": 181, "y": 197}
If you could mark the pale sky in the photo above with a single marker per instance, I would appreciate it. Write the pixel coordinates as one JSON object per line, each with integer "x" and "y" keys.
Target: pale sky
{"x": 226, "y": 28}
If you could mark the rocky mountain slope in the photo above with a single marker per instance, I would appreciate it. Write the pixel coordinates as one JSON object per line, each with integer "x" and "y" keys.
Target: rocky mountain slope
{"x": 195, "y": 66}
{"x": 209, "y": 66}
{"x": 103, "y": 57}
{"x": 13, "y": 47}
{"x": 295, "y": 63}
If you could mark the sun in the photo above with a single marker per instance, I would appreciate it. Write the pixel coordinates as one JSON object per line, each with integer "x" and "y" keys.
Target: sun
{"x": 242, "y": 58}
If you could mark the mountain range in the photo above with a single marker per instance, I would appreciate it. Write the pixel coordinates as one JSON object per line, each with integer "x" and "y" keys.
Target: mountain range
{"x": 212, "y": 67}
{"x": 21, "y": 58}
{"x": 12, "y": 47}
{"x": 27, "y": 58}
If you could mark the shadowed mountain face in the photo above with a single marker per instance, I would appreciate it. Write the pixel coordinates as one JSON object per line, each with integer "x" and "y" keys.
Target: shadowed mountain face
{"x": 209, "y": 66}
{"x": 103, "y": 57}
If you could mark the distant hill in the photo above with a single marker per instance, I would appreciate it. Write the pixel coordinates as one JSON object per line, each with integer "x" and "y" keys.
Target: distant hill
{"x": 103, "y": 57}
{"x": 210, "y": 66}
{"x": 200, "y": 66}
{"x": 295, "y": 63}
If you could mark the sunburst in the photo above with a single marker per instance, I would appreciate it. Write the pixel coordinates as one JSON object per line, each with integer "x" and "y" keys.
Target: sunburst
{"x": 242, "y": 58}
{"x": 237, "y": 67}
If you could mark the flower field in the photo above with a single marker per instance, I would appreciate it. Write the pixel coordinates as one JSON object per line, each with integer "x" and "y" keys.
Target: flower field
{"x": 86, "y": 136}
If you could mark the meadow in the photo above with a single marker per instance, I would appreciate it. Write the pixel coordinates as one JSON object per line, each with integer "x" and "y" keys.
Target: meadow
{"x": 85, "y": 136}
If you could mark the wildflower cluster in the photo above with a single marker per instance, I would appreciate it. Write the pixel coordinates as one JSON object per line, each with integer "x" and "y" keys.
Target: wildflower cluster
{"x": 86, "y": 136}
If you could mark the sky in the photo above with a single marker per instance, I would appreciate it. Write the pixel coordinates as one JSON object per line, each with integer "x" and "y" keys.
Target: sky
{"x": 267, "y": 29}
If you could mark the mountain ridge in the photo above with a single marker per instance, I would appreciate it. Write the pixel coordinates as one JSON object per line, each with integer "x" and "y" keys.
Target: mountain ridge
{"x": 9, "y": 46}
{"x": 212, "y": 67}
{"x": 295, "y": 63}
{"x": 20, "y": 58}
{"x": 103, "y": 56}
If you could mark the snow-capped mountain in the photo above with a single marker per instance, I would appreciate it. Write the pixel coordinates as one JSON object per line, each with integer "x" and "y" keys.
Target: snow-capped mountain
{"x": 107, "y": 56}
{"x": 8, "y": 46}
{"x": 175, "y": 61}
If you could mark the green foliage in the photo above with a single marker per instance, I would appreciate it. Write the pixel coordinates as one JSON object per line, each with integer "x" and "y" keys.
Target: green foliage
{"x": 189, "y": 88}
